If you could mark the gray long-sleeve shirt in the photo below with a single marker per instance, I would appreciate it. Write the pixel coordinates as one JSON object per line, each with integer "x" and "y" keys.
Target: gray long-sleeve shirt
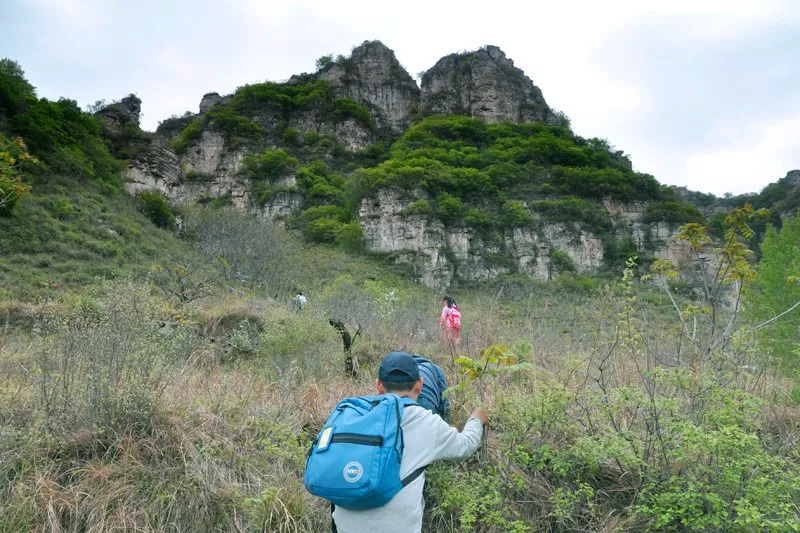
{"x": 428, "y": 438}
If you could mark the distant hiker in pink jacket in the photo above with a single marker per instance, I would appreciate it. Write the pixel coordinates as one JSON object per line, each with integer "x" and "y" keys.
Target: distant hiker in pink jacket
{"x": 450, "y": 321}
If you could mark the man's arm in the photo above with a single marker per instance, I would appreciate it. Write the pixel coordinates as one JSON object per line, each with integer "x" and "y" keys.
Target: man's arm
{"x": 452, "y": 444}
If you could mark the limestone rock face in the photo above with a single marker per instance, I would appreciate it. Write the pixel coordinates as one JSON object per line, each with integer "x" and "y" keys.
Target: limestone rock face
{"x": 373, "y": 76}
{"x": 126, "y": 110}
{"x": 209, "y": 100}
{"x": 483, "y": 84}
{"x": 441, "y": 255}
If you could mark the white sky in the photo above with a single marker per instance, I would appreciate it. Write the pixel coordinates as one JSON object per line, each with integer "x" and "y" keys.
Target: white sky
{"x": 702, "y": 93}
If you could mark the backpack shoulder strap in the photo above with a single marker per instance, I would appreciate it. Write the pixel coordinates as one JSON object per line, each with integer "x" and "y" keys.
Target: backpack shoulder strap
{"x": 405, "y": 401}
{"x": 413, "y": 475}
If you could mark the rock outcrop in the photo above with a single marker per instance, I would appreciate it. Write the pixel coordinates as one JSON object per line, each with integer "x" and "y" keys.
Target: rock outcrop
{"x": 209, "y": 100}
{"x": 373, "y": 76}
{"x": 483, "y": 84}
{"x": 441, "y": 255}
{"x": 126, "y": 110}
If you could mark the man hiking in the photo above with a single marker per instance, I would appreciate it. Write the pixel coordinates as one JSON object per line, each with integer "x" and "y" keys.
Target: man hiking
{"x": 426, "y": 438}
{"x": 299, "y": 302}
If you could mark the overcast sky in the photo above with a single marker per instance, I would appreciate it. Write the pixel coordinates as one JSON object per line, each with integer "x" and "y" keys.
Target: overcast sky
{"x": 702, "y": 93}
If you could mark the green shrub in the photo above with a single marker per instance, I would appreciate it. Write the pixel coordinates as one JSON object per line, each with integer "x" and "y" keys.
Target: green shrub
{"x": 560, "y": 261}
{"x": 235, "y": 128}
{"x": 155, "y": 207}
{"x": 345, "y": 108}
{"x": 269, "y": 165}
{"x": 672, "y": 212}
{"x": 322, "y": 230}
{"x": 14, "y": 88}
{"x": 233, "y": 125}
{"x": 420, "y": 207}
{"x": 515, "y": 214}
{"x": 189, "y": 133}
{"x": 350, "y": 236}
{"x": 66, "y": 139}
{"x": 573, "y": 210}
{"x": 280, "y": 97}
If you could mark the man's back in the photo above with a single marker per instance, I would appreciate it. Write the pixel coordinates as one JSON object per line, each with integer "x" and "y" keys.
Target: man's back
{"x": 427, "y": 438}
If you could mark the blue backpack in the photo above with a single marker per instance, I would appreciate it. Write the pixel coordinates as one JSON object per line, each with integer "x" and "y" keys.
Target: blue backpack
{"x": 433, "y": 385}
{"x": 355, "y": 459}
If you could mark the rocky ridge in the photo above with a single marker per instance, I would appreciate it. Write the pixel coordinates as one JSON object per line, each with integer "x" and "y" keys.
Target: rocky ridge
{"x": 483, "y": 84}
{"x": 372, "y": 75}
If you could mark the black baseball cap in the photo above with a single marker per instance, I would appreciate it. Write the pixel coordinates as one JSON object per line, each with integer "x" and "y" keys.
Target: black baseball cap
{"x": 398, "y": 367}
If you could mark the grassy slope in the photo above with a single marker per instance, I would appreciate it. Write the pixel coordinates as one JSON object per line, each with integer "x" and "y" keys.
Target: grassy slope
{"x": 66, "y": 234}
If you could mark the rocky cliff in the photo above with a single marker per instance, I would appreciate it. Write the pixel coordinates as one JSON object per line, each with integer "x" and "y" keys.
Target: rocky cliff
{"x": 329, "y": 123}
{"x": 440, "y": 255}
{"x": 484, "y": 84}
{"x": 373, "y": 76}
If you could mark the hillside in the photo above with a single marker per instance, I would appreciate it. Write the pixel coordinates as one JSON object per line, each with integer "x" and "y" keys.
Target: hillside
{"x": 155, "y": 376}
{"x": 357, "y": 154}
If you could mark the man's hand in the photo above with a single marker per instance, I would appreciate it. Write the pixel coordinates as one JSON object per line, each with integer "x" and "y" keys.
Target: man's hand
{"x": 481, "y": 414}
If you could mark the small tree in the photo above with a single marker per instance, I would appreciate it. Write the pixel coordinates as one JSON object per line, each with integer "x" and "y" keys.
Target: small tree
{"x": 493, "y": 361}
{"x": 155, "y": 207}
{"x": 324, "y": 62}
{"x": 13, "y": 155}
{"x": 183, "y": 281}
{"x": 776, "y": 290}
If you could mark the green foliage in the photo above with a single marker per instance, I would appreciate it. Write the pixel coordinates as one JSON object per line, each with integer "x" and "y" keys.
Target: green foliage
{"x": 232, "y": 124}
{"x": 617, "y": 251}
{"x": 189, "y": 133}
{"x": 14, "y": 88}
{"x": 560, "y": 261}
{"x": 515, "y": 214}
{"x": 324, "y": 62}
{"x": 66, "y": 139}
{"x": 776, "y": 289}
{"x": 269, "y": 165}
{"x": 345, "y": 108}
{"x": 494, "y": 360}
{"x": 281, "y": 97}
{"x": 573, "y": 209}
{"x": 473, "y": 500}
{"x": 155, "y": 207}
{"x": 235, "y": 127}
{"x": 62, "y": 236}
{"x": 728, "y": 482}
{"x": 14, "y": 159}
{"x": 671, "y": 212}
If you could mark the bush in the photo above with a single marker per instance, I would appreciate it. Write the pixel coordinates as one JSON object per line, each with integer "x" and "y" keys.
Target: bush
{"x": 573, "y": 210}
{"x": 236, "y": 128}
{"x": 14, "y": 88}
{"x": 345, "y": 108}
{"x": 672, "y": 212}
{"x": 13, "y": 157}
{"x": 155, "y": 207}
{"x": 102, "y": 366}
{"x": 66, "y": 139}
{"x": 560, "y": 261}
{"x": 269, "y": 165}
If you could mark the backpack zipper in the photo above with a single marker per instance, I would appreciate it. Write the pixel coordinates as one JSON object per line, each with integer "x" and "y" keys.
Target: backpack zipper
{"x": 355, "y": 438}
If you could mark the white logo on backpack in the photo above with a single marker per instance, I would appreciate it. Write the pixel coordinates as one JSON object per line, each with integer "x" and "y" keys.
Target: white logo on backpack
{"x": 352, "y": 471}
